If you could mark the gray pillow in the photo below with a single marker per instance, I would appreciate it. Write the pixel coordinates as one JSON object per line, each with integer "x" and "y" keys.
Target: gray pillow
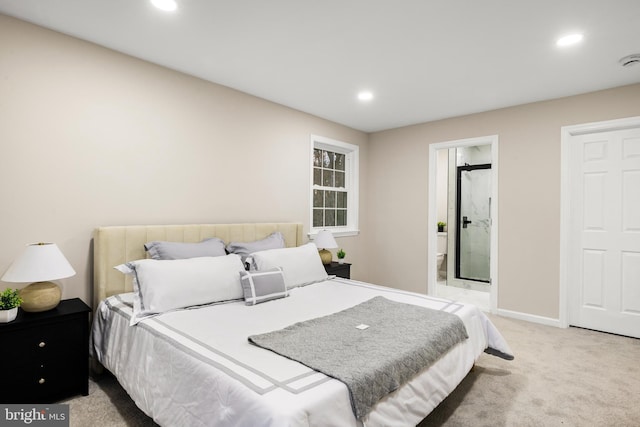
{"x": 179, "y": 250}
{"x": 261, "y": 286}
{"x": 273, "y": 241}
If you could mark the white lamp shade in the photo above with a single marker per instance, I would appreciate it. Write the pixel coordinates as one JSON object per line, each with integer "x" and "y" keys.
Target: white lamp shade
{"x": 325, "y": 240}
{"x": 39, "y": 262}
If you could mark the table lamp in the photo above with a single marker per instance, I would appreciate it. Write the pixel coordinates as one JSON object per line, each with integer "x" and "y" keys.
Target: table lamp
{"x": 39, "y": 263}
{"x": 325, "y": 240}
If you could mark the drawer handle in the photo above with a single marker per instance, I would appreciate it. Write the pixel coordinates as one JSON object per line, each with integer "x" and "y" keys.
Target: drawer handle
{"x": 41, "y": 381}
{"x": 42, "y": 344}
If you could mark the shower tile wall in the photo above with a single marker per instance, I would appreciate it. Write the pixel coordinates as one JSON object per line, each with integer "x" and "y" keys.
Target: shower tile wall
{"x": 477, "y": 155}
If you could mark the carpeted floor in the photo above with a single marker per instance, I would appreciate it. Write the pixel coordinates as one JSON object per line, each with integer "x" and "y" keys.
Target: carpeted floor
{"x": 560, "y": 377}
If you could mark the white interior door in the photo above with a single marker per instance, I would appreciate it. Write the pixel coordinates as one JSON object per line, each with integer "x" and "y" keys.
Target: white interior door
{"x": 604, "y": 243}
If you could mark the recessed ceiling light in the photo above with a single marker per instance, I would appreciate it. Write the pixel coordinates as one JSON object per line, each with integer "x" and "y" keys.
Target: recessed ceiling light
{"x": 569, "y": 40}
{"x": 168, "y": 5}
{"x": 365, "y": 95}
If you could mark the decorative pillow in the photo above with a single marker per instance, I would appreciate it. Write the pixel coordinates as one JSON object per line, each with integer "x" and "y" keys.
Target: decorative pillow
{"x": 301, "y": 265}
{"x": 244, "y": 249}
{"x": 261, "y": 286}
{"x": 178, "y": 250}
{"x": 163, "y": 285}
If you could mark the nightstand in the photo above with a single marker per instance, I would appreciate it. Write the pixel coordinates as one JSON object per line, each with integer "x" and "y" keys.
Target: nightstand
{"x": 45, "y": 356}
{"x": 340, "y": 270}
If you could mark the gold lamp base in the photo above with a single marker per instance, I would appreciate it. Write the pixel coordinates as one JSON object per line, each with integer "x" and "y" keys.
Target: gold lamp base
{"x": 40, "y": 296}
{"x": 325, "y": 256}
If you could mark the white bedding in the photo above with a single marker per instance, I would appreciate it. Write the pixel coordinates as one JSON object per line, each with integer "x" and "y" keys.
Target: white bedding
{"x": 195, "y": 367}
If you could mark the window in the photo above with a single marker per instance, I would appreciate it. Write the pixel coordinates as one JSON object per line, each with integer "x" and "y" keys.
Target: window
{"x": 334, "y": 189}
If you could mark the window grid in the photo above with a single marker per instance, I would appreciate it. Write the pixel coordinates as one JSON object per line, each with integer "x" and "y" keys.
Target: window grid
{"x": 330, "y": 192}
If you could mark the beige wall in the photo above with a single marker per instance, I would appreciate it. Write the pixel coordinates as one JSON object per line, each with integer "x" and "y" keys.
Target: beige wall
{"x": 529, "y": 194}
{"x": 92, "y": 137}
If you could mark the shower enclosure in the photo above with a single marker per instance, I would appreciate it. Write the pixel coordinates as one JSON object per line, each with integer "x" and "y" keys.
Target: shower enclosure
{"x": 473, "y": 222}
{"x": 469, "y": 191}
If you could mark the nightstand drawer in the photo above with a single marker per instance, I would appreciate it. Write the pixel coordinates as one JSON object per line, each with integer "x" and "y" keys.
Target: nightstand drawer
{"x": 54, "y": 340}
{"x": 47, "y": 382}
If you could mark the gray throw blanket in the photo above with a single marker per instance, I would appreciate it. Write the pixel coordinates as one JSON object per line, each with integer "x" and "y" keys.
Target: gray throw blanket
{"x": 399, "y": 342}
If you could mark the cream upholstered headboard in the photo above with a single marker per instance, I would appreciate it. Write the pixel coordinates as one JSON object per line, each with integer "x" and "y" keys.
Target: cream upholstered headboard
{"x": 119, "y": 244}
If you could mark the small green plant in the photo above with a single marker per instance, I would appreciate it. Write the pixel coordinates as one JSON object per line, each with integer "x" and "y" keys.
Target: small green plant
{"x": 9, "y": 299}
{"x": 441, "y": 225}
{"x": 341, "y": 254}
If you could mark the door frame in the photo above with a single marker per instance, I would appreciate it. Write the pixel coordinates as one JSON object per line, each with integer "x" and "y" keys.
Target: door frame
{"x": 432, "y": 232}
{"x": 566, "y": 158}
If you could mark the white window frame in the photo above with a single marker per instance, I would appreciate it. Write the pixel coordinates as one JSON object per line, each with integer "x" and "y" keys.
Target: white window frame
{"x": 352, "y": 155}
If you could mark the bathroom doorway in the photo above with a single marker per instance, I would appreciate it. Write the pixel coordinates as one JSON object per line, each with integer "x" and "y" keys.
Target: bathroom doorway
{"x": 463, "y": 194}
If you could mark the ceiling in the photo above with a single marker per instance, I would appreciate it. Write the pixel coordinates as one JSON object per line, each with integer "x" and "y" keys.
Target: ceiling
{"x": 423, "y": 59}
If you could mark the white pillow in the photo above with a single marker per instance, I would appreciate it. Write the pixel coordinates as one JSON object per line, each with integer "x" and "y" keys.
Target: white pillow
{"x": 301, "y": 265}
{"x": 163, "y": 285}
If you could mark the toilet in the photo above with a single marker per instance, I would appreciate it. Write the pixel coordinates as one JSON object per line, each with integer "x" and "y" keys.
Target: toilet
{"x": 442, "y": 252}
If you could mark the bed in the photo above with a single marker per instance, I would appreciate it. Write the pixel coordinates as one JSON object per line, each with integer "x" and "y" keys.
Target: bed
{"x": 195, "y": 365}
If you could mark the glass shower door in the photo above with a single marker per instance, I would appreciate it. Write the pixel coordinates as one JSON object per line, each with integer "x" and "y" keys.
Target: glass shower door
{"x": 473, "y": 222}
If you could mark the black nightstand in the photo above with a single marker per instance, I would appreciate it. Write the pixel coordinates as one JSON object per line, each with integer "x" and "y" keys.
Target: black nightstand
{"x": 45, "y": 356}
{"x": 340, "y": 270}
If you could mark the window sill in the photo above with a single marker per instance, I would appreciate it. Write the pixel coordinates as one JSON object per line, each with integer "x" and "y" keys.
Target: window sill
{"x": 336, "y": 233}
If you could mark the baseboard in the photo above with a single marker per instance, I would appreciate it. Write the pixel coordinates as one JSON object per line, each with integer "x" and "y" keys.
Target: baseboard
{"x": 530, "y": 318}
